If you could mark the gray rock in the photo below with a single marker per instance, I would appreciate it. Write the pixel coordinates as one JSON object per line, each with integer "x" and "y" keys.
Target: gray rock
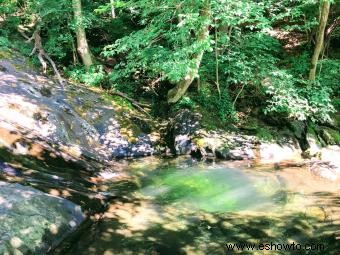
{"x": 328, "y": 166}
{"x": 182, "y": 127}
{"x": 33, "y": 222}
{"x": 299, "y": 129}
{"x": 273, "y": 151}
{"x": 75, "y": 118}
{"x": 325, "y": 169}
{"x": 224, "y": 145}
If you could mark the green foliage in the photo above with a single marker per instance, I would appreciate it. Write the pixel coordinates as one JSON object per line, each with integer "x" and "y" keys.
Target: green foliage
{"x": 301, "y": 14}
{"x": 8, "y": 21}
{"x": 221, "y": 107}
{"x": 4, "y": 42}
{"x": 102, "y": 9}
{"x": 264, "y": 134}
{"x": 251, "y": 58}
{"x": 59, "y": 45}
{"x": 297, "y": 98}
{"x": 166, "y": 42}
{"x": 185, "y": 103}
{"x": 53, "y": 19}
{"x": 160, "y": 40}
{"x": 299, "y": 65}
{"x": 336, "y": 103}
{"x": 329, "y": 75}
{"x": 95, "y": 76}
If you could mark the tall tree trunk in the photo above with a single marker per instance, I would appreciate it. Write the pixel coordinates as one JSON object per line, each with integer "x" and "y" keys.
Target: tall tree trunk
{"x": 113, "y": 12}
{"x": 82, "y": 45}
{"x": 181, "y": 87}
{"x": 324, "y": 11}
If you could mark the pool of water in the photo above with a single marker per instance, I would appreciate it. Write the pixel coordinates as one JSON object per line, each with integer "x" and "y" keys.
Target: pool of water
{"x": 185, "y": 207}
{"x": 209, "y": 189}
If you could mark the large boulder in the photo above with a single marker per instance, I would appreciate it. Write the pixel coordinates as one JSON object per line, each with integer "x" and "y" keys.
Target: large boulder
{"x": 300, "y": 130}
{"x": 287, "y": 149}
{"x": 224, "y": 145}
{"x": 328, "y": 164}
{"x": 33, "y": 222}
{"x": 82, "y": 121}
{"x": 181, "y": 130}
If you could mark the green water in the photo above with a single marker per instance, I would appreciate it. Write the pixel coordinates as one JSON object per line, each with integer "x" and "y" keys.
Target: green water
{"x": 210, "y": 190}
{"x": 184, "y": 207}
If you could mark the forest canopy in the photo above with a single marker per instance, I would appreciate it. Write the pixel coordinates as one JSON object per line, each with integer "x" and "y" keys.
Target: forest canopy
{"x": 221, "y": 56}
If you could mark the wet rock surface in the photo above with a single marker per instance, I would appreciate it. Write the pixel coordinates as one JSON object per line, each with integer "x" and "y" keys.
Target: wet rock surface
{"x": 33, "y": 222}
{"x": 234, "y": 146}
{"x": 73, "y": 117}
{"x": 59, "y": 141}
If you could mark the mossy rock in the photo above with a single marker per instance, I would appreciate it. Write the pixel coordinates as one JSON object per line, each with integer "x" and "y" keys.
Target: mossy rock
{"x": 330, "y": 136}
{"x": 5, "y": 53}
{"x": 33, "y": 222}
{"x": 256, "y": 127}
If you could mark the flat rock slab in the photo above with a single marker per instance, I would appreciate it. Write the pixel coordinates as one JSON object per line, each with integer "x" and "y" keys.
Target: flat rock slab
{"x": 33, "y": 222}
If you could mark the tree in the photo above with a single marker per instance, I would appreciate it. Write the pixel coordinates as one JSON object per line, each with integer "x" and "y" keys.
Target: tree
{"x": 82, "y": 45}
{"x": 173, "y": 37}
{"x": 324, "y": 12}
{"x": 113, "y": 12}
{"x": 181, "y": 87}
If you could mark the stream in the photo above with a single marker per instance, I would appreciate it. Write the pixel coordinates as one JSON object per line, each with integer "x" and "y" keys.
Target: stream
{"x": 62, "y": 149}
{"x": 180, "y": 206}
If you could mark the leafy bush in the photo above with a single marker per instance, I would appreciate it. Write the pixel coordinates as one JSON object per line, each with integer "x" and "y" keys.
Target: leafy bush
{"x": 58, "y": 44}
{"x": 95, "y": 76}
{"x": 185, "y": 102}
{"x": 299, "y": 65}
{"x": 4, "y": 42}
{"x": 219, "y": 106}
{"x": 297, "y": 98}
{"x": 329, "y": 76}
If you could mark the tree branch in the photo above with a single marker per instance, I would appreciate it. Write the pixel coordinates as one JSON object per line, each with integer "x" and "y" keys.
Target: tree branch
{"x": 136, "y": 104}
{"x": 41, "y": 53}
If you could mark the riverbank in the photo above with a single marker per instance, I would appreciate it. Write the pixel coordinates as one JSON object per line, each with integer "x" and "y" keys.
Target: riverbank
{"x": 74, "y": 147}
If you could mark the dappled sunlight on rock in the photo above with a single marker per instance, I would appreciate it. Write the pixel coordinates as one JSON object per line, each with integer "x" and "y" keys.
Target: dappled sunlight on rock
{"x": 54, "y": 192}
{"x": 32, "y": 221}
{"x": 54, "y": 229}
{"x": 16, "y": 242}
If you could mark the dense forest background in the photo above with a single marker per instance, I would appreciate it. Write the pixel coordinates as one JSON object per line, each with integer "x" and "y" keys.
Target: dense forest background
{"x": 230, "y": 60}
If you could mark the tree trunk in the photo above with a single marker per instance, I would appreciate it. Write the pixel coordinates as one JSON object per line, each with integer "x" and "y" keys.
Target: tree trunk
{"x": 113, "y": 12}
{"x": 324, "y": 11}
{"x": 181, "y": 87}
{"x": 82, "y": 46}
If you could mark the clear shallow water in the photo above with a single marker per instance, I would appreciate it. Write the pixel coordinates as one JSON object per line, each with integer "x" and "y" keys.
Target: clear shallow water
{"x": 184, "y": 207}
{"x": 207, "y": 189}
